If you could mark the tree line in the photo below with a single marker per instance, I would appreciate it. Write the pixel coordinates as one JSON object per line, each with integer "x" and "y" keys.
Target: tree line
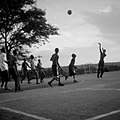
{"x": 87, "y": 68}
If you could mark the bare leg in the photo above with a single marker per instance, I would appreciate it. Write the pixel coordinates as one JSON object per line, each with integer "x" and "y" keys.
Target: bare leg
{"x": 102, "y": 71}
{"x": 74, "y": 79}
{"x": 50, "y": 82}
{"x": 60, "y": 84}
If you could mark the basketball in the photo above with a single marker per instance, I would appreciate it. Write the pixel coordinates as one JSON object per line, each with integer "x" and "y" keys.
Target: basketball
{"x": 69, "y": 12}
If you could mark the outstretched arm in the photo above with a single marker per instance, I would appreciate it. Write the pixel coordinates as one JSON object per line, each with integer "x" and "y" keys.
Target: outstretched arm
{"x": 100, "y": 47}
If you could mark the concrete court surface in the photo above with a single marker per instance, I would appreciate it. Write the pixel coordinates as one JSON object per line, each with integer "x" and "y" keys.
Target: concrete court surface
{"x": 89, "y": 99}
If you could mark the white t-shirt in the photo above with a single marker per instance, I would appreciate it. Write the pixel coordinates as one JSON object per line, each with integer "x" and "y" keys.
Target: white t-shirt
{"x": 32, "y": 64}
{"x": 3, "y": 64}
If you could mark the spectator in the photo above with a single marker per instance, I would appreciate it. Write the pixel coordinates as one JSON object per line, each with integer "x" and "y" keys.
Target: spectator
{"x": 13, "y": 69}
{"x": 40, "y": 70}
{"x": 4, "y": 69}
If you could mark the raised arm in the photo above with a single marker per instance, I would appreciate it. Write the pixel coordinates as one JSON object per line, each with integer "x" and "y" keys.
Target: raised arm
{"x": 100, "y": 47}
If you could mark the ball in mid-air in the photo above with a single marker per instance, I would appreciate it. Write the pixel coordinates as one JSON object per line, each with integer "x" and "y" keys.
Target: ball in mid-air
{"x": 69, "y": 12}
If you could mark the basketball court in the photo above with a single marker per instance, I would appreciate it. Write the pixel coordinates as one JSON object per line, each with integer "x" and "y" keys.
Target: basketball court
{"x": 89, "y": 99}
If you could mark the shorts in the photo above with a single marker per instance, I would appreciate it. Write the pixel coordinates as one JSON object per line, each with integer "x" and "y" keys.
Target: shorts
{"x": 55, "y": 70}
{"x": 71, "y": 71}
{"x": 4, "y": 76}
{"x": 13, "y": 72}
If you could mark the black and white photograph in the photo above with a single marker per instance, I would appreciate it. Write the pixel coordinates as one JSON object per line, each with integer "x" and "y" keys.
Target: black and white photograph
{"x": 59, "y": 60}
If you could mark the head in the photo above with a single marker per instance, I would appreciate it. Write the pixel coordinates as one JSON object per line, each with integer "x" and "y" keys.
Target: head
{"x": 56, "y": 50}
{"x": 74, "y": 55}
{"x": 104, "y": 50}
{"x": 39, "y": 60}
{"x": 32, "y": 57}
{"x": 24, "y": 60}
{"x": 15, "y": 52}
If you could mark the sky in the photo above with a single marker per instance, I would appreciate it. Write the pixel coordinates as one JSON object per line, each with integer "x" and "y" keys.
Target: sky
{"x": 91, "y": 22}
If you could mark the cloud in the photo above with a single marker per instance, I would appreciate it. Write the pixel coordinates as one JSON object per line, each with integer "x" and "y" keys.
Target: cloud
{"x": 107, "y": 21}
{"x": 102, "y": 10}
{"x": 81, "y": 36}
{"x": 91, "y": 22}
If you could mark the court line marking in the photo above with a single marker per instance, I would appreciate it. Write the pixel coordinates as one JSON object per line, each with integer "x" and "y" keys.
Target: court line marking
{"x": 23, "y": 113}
{"x": 14, "y": 99}
{"x": 104, "y": 115}
{"x": 41, "y": 118}
{"x": 92, "y": 89}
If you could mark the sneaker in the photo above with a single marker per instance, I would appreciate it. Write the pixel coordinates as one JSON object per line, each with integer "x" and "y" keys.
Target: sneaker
{"x": 41, "y": 81}
{"x": 60, "y": 84}
{"x": 101, "y": 76}
{"x": 37, "y": 83}
{"x": 50, "y": 84}
{"x": 75, "y": 81}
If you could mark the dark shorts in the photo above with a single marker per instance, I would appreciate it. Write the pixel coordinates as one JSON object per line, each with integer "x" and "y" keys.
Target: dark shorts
{"x": 4, "y": 76}
{"x": 54, "y": 69}
{"x": 71, "y": 71}
{"x": 41, "y": 73}
{"x": 101, "y": 64}
{"x": 13, "y": 73}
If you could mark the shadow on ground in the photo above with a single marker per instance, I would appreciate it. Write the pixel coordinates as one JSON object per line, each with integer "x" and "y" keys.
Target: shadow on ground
{"x": 35, "y": 86}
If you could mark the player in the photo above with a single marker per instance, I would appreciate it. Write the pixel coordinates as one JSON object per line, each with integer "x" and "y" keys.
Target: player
{"x": 72, "y": 68}
{"x": 40, "y": 70}
{"x": 101, "y": 62}
{"x": 33, "y": 68}
{"x": 55, "y": 68}
{"x": 25, "y": 71}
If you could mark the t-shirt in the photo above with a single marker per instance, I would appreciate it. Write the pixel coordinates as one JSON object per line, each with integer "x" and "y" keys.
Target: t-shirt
{"x": 3, "y": 64}
{"x": 72, "y": 62}
{"x": 39, "y": 65}
{"x": 32, "y": 64}
{"x": 54, "y": 59}
{"x": 24, "y": 66}
{"x": 12, "y": 61}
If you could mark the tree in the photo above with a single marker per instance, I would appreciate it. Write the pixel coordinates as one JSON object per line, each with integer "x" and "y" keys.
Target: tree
{"x": 22, "y": 23}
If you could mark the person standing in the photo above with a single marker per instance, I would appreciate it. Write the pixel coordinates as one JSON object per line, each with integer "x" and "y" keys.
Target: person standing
{"x": 33, "y": 68}
{"x": 72, "y": 68}
{"x": 40, "y": 70}
{"x": 24, "y": 70}
{"x": 55, "y": 68}
{"x": 13, "y": 69}
{"x": 4, "y": 69}
{"x": 101, "y": 61}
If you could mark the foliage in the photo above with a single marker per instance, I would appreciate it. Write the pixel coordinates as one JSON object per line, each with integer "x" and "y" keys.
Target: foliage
{"x": 22, "y": 23}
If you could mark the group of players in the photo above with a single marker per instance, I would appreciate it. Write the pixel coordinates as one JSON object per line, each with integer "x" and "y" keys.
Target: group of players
{"x": 39, "y": 70}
